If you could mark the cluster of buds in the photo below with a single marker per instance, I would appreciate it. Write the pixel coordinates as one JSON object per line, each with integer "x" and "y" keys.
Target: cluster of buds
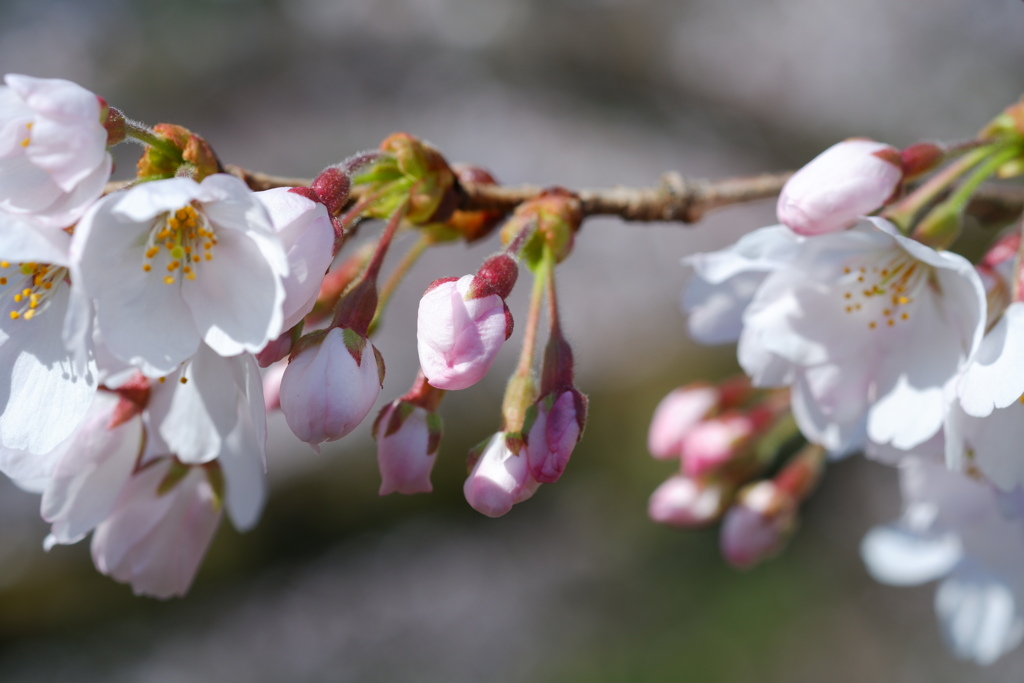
{"x": 726, "y": 437}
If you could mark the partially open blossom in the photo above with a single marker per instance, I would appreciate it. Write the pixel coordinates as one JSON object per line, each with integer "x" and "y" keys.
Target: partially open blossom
{"x": 685, "y": 502}
{"x": 676, "y": 415}
{"x": 306, "y": 233}
{"x": 500, "y": 478}
{"x": 53, "y": 149}
{"x": 459, "y": 332}
{"x": 408, "y": 437}
{"x": 553, "y": 427}
{"x": 172, "y": 263}
{"x": 330, "y": 386}
{"x": 848, "y": 180}
{"x": 159, "y": 530}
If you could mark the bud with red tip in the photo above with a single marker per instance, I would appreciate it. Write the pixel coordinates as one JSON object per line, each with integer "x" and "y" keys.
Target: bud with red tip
{"x": 408, "y": 433}
{"x": 848, "y": 180}
{"x": 462, "y": 324}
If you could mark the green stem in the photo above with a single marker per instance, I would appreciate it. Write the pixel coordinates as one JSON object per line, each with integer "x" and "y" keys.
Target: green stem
{"x": 904, "y": 212}
{"x": 139, "y": 132}
{"x": 540, "y": 281}
{"x": 962, "y": 195}
{"x": 388, "y": 290}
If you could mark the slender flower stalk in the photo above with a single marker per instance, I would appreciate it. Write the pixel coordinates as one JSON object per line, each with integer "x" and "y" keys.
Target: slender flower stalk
{"x": 396, "y": 277}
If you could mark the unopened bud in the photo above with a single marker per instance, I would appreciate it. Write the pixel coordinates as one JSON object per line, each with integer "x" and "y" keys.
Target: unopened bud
{"x": 848, "y": 180}
{"x": 676, "y": 415}
{"x": 758, "y": 525}
{"x": 685, "y": 502}
{"x": 332, "y": 189}
{"x": 552, "y": 428}
{"x": 920, "y": 158}
{"x": 499, "y": 478}
{"x": 408, "y": 437}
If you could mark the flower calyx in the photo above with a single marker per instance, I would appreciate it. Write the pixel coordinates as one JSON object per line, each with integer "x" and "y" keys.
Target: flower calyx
{"x": 182, "y": 153}
{"x": 408, "y": 170}
{"x": 547, "y": 222}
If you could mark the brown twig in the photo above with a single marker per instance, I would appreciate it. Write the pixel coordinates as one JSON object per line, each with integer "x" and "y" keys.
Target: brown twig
{"x": 676, "y": 199}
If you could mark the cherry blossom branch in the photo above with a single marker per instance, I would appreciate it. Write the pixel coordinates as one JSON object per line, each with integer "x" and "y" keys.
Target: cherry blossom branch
{"x": 675, "y": 199}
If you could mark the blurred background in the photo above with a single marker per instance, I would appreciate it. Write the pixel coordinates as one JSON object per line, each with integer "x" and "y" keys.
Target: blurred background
{"x": 336, "y": 584}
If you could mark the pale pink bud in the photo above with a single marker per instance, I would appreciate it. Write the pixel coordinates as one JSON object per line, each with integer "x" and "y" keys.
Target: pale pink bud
{"x": 159, "y": 530}
{"x": 713, "y": 443}
{"x": 499, "y": 479}
{"x": 555, "y": 429}
{"x": 408, "y": 437}
{"x": 676, "y": 415}
{"x": 458, "y": 335}
{"x": 328, "y": 388}
{"x": 848, "y": 180}
{"x": 758, "y": 525}
{"x": 685, "y": 502}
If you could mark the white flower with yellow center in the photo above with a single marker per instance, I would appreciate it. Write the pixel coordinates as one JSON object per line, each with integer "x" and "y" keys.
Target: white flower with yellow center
{"x": 868, "y": 328}
{"x": 171, "y": 263}
{"x": 45, "y": 388}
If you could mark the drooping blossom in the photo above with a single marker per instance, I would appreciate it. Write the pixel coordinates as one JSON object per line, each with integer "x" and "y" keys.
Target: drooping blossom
{"x": 459, "y": 333}
{"x": 46, "y": 387}
{"x": 329, "y": 387}
{"x": 500, "y": 478}
{"x": 159, "y": 530}
{"x": 868, "y": 328}
{"x": 848, "y": 180}
{"x": 54, "y": 161}
{"x": 172, "y": 263}
{"x": 952, "y": 529}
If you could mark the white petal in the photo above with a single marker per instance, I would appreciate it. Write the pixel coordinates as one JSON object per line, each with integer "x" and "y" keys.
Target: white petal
{"x": 980, "y": 615}
{"x": 900, "y": 557}
{"x": 995, "y": 377}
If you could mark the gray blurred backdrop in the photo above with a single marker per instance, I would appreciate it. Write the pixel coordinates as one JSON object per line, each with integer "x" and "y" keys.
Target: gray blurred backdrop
{"x": 337, "y": 584}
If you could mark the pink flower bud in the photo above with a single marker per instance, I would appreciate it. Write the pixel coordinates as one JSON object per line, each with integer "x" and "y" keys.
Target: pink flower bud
{"x": 553, "y": 433}
{"x": 713, "y": 443}
{"x": 328, "y": 388}
{"x": 407, "y": 437}
{"x": 499, "y": 479}
{"x": 848, "y": 180}
{"x": 758, "y": 525}
{"x": 457, "y": 335}
{"x": 685, "y": 502}
{"x": 676, "y": 415}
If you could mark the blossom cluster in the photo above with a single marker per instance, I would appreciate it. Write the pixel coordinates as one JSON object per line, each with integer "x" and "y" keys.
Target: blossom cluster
{"x": 136, "y": 318}
{"x": 886, "y": 342}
